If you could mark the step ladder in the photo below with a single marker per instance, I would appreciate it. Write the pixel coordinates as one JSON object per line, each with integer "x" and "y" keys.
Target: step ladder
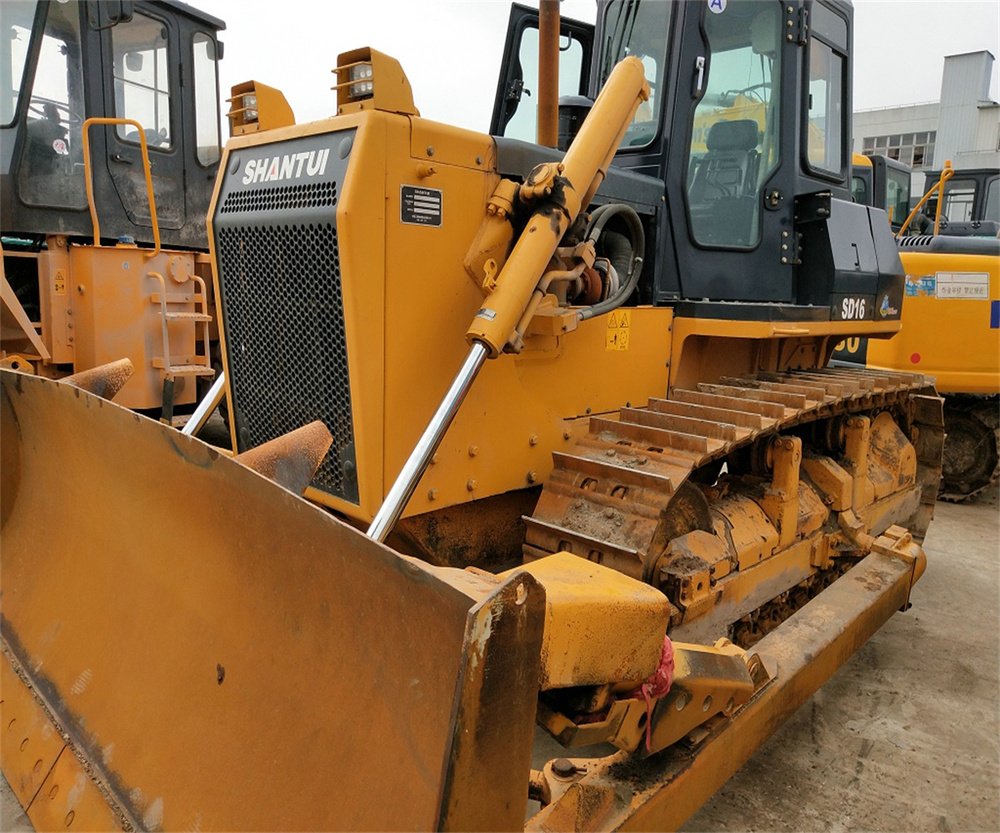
{"x": 200, "y": 364}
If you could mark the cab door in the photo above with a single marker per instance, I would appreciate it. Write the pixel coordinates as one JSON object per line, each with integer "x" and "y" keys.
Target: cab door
{"x": 731, "y": 166}
{"x": 142, "y": 82}
{"x": 515, "y": 110}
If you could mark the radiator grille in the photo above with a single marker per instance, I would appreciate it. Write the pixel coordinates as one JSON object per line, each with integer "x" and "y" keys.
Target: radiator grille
{"x": 288, "y": 197}
{"x": 286, "y": 343}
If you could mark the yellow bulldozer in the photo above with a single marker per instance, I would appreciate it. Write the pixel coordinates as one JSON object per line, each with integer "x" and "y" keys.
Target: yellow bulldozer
{"x": 574, "y": 464}
{"x": 110, "y": 130}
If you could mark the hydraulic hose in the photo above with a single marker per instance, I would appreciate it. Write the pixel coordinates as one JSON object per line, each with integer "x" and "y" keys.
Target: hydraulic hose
{"x": 625, "y": 257}
{"x": 560, "y": 191}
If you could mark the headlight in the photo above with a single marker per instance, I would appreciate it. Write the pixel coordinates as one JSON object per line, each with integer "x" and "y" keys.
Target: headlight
{"x": 362, "y": 85}
{"x": 250, "y": 107}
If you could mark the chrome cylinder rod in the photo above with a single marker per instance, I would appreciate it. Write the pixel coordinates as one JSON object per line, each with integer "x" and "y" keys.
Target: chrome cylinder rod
{"x": 401, "y": 491}
{"x": 206, "y": 406}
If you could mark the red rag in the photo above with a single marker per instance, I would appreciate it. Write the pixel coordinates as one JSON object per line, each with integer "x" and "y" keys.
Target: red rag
{"x": 657, "y": 686}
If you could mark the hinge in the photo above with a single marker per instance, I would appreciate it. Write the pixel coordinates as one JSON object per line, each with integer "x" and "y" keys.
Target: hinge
{"x": 796, "y": 23}
{"x": 791, "y": 248}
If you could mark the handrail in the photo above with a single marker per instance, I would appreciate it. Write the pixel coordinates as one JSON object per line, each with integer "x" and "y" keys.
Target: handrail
{"x": 163, "y": 314}
{"x": 204, "y": 309}
{"x": 87, "y": 169}
{"x": 946, "y": 174}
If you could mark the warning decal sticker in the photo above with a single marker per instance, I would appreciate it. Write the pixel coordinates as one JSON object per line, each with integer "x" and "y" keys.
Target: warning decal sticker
{"x": 618, "y": 327}
{"x": 963, "y": 285}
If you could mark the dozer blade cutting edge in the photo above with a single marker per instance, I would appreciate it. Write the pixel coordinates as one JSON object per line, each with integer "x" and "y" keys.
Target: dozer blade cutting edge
{"x": 188, "y": 645}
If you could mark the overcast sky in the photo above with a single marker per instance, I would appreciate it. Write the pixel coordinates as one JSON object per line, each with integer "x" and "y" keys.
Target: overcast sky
{"x": 451, "y": 49}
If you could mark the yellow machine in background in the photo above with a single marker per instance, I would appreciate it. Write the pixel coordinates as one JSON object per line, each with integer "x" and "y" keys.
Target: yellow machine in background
{"x": 951, "y": 331}
{"x": 105, "y": 190}
{"x": 575, "y": 459}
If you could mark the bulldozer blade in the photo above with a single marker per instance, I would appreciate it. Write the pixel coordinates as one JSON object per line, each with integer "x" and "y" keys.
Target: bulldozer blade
{"x": 188, "y": 645}
{"x": 105, "y": 380}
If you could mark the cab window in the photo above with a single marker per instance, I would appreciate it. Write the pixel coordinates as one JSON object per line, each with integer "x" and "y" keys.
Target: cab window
{"x": 733, "y": 145}
{"x": 826, "y": 141}
{"x": 992, "y": 210}
{"x": 13, "y": 55}
{"x": 206, "y": 99}
{"x": 51, "y": 170}
{"x": 639, "y": 29}
{"x": 523, "y": 124}
{"x": 897, "y": 195}
{"x": 142, "y": 79}
{"x": 959, "y": 195}
{"x": 859, "y": 191}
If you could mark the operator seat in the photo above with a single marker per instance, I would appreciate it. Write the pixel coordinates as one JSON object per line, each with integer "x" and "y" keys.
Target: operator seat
{"x": 723, "y": 188}
{"x": 729, "y": 167}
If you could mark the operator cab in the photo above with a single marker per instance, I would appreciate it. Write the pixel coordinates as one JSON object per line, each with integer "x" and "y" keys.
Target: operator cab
{"x": 882, "y": 182}
{"x": 151, "y": 62}
{"x": 971, "y": 205}
{"x": 740, "y": 161}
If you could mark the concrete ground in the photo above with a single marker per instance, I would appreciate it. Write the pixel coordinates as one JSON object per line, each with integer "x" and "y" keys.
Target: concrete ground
{"x": 12, "y": 817}
{"x": 905, "y": 737}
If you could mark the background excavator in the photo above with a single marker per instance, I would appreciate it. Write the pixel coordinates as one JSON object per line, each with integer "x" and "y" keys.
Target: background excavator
{"x": 110, "y": 137}
{"x": 951, "y": 319}
{"x": 971, "y": 203}
{"x": 573, "y": 452}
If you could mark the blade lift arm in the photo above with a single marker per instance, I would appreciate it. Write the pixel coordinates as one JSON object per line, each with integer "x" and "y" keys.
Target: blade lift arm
{"x": 558, "y": 192}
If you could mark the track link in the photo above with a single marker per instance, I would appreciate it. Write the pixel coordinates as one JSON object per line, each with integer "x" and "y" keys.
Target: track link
{"x": 607, "y": 500}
